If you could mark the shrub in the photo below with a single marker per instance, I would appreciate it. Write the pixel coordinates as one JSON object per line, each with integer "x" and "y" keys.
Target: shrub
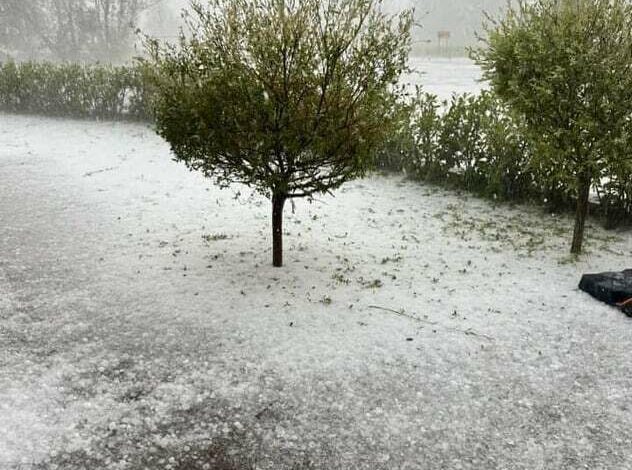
{"x": 473, "y": 142}
{"x": 425, "y": 160}
{"x": 73, "y": 90}
{"x": 289, "y": 98}
{"x": 563, "y": 67}
{"x": 469, "y": 142}
{"x": 397, "y": 150}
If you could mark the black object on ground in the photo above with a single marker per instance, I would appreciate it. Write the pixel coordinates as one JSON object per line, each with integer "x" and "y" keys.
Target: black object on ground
{"x": 612, "y": 288}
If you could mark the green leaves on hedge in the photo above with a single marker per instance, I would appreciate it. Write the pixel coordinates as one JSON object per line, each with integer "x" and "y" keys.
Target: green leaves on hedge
{"x": 473, "y": 142}
{"x": 73, "y": 90}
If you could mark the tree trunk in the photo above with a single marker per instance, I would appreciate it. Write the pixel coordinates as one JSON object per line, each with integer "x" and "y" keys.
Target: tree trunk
{"x": 278, "y": 201}
{"x": 583, "y": 193}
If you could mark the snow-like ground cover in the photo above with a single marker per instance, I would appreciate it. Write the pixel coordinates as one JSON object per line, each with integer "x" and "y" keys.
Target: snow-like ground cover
{"x": 443, "y": 77}
{"x": 142, "y": 326}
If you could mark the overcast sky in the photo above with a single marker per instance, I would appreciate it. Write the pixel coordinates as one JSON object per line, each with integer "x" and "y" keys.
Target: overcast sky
{"x": 462, "y": 18}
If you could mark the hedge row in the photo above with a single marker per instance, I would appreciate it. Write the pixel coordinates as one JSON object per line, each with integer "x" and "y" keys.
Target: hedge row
{"x": 73, "y": 90}
{"x": 470, "y": 142}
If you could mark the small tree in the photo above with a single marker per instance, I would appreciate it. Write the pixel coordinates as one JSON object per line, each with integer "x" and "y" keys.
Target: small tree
{"x": 565, "y": 67}
{"x": 289, "y": 97}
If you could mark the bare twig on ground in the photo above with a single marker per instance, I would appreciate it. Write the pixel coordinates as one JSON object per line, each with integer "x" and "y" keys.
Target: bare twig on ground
{"x": 401, "y": 313}
{"x": 96, "y": 172}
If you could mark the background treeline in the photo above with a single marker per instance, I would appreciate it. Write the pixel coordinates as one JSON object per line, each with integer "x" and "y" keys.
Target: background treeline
{"x": 71, "y": 30}
{"x": 469, "y": 142}
{"x": 104, "y": 30}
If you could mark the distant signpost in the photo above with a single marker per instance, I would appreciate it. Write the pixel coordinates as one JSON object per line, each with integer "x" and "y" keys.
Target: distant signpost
{"x": 443, "y": 40}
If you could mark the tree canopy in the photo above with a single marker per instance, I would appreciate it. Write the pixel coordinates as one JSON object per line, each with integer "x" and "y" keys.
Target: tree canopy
{"x": 564, "y": 67}
{"x": 288, "y": 97}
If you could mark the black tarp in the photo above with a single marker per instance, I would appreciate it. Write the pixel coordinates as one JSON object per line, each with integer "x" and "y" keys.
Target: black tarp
{"x": 611, "y": 288}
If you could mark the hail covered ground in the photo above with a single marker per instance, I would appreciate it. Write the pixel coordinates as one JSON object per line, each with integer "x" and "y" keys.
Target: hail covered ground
{"x": 142, "y": 326}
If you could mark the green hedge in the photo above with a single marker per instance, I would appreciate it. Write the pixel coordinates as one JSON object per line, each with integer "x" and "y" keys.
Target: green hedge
{"x": 471, "y": 143}
{"x": 73, "y": 90}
